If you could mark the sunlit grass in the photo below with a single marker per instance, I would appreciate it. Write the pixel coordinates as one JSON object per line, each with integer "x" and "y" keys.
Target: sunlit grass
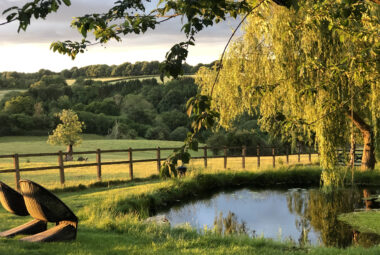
{"x": 87, "y": 175}
{"x": 125, "y": 78}
{"x": 367, "y": 222}
{"x": 37, "y": 144}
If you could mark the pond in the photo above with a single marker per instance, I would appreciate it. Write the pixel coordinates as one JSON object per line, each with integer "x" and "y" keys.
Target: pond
{"x": 298, "y": 215}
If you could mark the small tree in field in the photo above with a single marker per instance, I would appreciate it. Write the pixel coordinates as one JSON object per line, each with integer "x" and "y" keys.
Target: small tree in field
{"x": 68, "y": 132}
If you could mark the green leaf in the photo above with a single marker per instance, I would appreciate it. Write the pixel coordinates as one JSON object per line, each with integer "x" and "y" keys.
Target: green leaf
{"x": 67, "y": 2}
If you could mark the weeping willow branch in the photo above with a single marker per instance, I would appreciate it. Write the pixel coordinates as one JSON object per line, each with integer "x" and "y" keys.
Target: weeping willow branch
{"x": 228, "y": 42}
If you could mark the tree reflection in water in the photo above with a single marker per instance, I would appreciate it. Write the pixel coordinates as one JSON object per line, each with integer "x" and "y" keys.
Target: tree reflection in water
{"x": 320, "y": 210}
{"x": 297, "y": 204}
{"x": 308, "y": 217}
{"x": 229, "y": 225}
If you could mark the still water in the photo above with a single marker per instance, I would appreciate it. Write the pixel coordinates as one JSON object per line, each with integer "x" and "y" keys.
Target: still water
{"x": 299, "y": 215}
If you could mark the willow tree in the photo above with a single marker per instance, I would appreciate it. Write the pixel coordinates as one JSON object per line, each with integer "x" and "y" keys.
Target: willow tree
{"x": 309, "y": 70}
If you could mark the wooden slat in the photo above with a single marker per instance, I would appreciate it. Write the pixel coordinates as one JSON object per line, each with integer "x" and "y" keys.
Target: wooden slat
{"x": 130, "y": 164}
{"x": 38, "y": 154}
{"x": 17, "y": 171}
{"x": 81, "y": 165}
{"x": 83, "y": 152}
{"x": 158, "y": 153}
{"x": 99, "y": 165}
{"x": 7, "y": 171}
{"x": 31, "y": 169}
{"x": 6, "y": 156}
{"x": 115, "y": 162}
{"x": 61, "y": 167}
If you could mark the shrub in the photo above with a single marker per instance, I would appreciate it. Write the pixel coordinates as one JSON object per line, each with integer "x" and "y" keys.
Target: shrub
{"x": 157, "y": 133}
{"x": 179, "y": 134}
{"x": 122, "y": 131}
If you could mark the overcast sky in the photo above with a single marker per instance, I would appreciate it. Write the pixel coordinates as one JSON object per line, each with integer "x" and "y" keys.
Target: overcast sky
{"x": 29, "y": 51}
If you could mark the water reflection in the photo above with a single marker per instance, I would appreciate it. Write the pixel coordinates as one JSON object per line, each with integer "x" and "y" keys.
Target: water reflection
{"x": 297, "y": 201}
{"x": 320, "y": 211}
{"x": 302, "y": 216}
{"x": 229, "y": 225}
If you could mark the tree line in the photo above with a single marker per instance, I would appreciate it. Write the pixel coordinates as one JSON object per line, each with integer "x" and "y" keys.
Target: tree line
{"x": 133, "y": 109}
{"x": 19, "y": 80}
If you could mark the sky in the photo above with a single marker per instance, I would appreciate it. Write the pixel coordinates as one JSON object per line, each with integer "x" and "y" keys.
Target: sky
{"x": 29, "y": 51}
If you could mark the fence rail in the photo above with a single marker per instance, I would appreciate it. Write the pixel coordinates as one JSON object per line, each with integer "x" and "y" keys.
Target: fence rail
{"x": 228, "y": 152}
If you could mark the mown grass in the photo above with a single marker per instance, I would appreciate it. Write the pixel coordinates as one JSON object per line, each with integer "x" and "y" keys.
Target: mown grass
{"x": 367, "y": 222}
{"x": 125, "y": 78}
{"x": 117, "y": 79}
{"x": 38, "y": 144}
{"x": 111, "y": 218}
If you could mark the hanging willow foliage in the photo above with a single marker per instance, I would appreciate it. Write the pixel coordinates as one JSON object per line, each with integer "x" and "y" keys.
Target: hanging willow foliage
{"x": 299, "y": 69}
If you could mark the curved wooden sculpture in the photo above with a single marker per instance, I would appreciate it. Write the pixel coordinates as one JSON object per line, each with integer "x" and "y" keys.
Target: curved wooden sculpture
{"x": 45, "y": 206}
{"x": 13, "y": 202}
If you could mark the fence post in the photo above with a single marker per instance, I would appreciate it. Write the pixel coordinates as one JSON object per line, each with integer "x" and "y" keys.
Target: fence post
{"x": 258, "y": 156}
{"x": 158, "y": 159}
{"x": 225, "y": 157}
{"x": 309, "y": 154}
{"x": 274, "y": 156}
{"x": 99, "y": 164}
{"x": 130, "y": 164}
{"x": 205, "y": 155}
{"x": 243, "y": 154}
{"x": 287, "y": 155}
{"x": 17, "y": 170}
{"x": 299, "y": 153}
{"x": 61, "y": 168}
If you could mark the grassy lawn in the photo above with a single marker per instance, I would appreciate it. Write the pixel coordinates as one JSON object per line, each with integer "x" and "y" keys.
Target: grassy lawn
{"x": 112, "y": 219}
{"x": 126, "y": 78}
{"x": 38, "y": 144}
{"x": 116, "y": 79}
{"x": 368, "y": 222}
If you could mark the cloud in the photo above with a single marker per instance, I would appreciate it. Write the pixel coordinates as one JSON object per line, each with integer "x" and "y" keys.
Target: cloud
{"x": 209, "y": 42}
{"x": 57, "y": 25}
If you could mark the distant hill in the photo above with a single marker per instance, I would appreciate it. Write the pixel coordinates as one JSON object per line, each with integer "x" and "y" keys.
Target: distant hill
{"x": 138, "y": 70}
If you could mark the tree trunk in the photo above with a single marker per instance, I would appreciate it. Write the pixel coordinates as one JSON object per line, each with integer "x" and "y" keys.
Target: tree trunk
{"x": 368, "y": 158}
{"x": 368, "y": 203}
{"x": 69, "y": 155}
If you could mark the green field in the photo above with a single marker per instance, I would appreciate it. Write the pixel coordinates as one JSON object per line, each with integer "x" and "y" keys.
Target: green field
{"x": 3, "y": 92}
{"x": 85, "y": 175}
{"x": 38, "y": 144}
{"x": 126, "y": 78}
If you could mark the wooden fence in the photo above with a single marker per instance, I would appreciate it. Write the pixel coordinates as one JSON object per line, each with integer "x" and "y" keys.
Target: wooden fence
{"x": 259, "y": 151}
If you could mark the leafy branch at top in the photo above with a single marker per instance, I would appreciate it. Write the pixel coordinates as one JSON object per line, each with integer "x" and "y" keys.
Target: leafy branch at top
{"x": 39, "y": 9}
